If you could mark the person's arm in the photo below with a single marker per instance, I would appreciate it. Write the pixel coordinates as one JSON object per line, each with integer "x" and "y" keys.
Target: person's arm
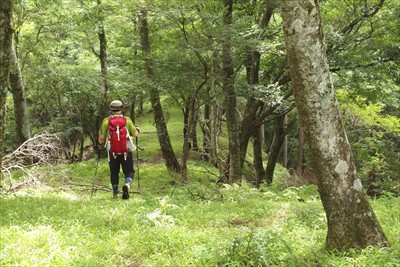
{"x": 101, "y": 139}
{"x": 133, "y": 130}
{"x": 102, "y": 133}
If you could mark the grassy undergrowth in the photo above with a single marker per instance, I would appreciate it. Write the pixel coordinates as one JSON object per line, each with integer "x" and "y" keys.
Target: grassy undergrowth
{"x": 58, "y": 223}
{"x": 166, "y": 224}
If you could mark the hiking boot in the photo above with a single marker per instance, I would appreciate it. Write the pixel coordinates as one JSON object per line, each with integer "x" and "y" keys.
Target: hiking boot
{"x": 115, "y": 194}
{"x": 125, "y": 191}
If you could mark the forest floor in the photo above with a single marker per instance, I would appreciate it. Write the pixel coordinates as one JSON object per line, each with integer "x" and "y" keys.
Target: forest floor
{"x": 59, "y": 222}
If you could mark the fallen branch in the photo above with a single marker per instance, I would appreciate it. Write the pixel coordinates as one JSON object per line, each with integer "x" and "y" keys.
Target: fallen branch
{"x": 40, "y": 150}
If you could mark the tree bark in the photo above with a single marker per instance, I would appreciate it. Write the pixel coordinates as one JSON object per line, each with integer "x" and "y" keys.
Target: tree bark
{"x": 167, "y": 151}
{"x": 276, "y": 148}
{"x": 205, "y": 128}
{"x": 285, "y": 143}
{"x": 215, "y": 115}
{"x": 351, "y": 220}
{"x": 258, "y": 141}
{"x": 235, "y": 170}
{"x": 188, "y": 136}
{"x": 22, "y": 132}
{"x": 6, "y": 7}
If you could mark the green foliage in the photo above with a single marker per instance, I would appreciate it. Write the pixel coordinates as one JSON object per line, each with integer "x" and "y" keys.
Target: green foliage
{"x": 202, "y": 223}
{"x": 373, "y": 135}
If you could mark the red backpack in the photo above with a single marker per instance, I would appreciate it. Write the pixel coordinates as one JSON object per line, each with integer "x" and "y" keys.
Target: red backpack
{"x": 118, "y": 135}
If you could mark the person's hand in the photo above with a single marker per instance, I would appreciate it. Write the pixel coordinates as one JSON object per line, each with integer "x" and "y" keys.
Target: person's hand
{"x": 137, "y": 129}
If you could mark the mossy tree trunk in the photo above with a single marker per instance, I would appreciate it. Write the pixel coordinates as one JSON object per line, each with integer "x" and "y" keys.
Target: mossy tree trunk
{"x": 351, "y": 220}
{"x": 6, "y": 7}
{"x": 22, "y": 131}
{"x": 167, "y": 151}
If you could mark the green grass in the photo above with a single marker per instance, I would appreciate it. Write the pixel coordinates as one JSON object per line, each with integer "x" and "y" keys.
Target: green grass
{"x": 57, "y": 223}
{"x": 200, "y": 224}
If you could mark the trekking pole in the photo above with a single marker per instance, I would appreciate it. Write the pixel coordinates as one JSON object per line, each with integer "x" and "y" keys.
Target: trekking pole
{"x": 95, "y": 173}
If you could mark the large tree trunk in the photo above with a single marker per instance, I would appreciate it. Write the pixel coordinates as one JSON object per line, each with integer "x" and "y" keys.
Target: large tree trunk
{"x": 6, "y": 7}
{"x": 235, "y": 170}
{"x": 351, "y": 220}
{"x": 167, "y": 151}
{"x": 22, "y": 132}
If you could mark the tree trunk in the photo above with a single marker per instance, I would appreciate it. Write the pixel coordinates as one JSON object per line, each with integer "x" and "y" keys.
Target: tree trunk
{"x": 193, "y": 108}
{"x": 6, "y": 7}
{"x": 186, "y": 114}
{"x": 351, "y": 220}
{"x": 205, "y": 128}
{"x": 195, "y": 144}
{"x": 215, "y": 114}
{"x": 250, "y": 120}
{"x": 248, "y": 126}
{"x": 276, "y": 148}
{"x": 102, "y": 106}
{"x": 167, "y": 151}
{"x": 186, "y": 140}
{"x": 258, "y": 141}
{"x": 235, "y": 170}
{"x": 22, "y": 132}
{"x": 285, "y": 143}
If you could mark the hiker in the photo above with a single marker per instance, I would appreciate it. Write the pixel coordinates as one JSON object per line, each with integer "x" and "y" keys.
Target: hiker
{"x": 117, "y": 129}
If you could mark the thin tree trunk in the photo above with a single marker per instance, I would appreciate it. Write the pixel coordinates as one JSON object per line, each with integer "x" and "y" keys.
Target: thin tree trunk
{"x": 195, "y": 144}
{"x": 186, "y": 140}
{"x": 22, "y": 132}
{"x": 351, "y": 220}
{"x": 235, "y": 170}
{"x": 186, "y": 114}
{"x": 248, "y": 126}
{"x": 276, "y": 149}
{"x": 193, "y": 114}
{"x": 102, "y": 106}
{"x": 215, "y": 122}
{"x": 205, "y": 128}
{"x": 167, "y": 151}
{"x": 258, "y": 141}
{"x": 250, "y": 120}
{"x": 285, "y": 144}
{"x": 6, "y": 7}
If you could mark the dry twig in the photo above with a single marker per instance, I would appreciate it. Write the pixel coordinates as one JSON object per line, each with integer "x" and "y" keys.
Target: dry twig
{"x": 43, "y": 149}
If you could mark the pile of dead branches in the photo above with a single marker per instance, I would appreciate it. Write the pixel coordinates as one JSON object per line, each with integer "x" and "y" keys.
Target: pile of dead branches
{"x": 40, "y": 150}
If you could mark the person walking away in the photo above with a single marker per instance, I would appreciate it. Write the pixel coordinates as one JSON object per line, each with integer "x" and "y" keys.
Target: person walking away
{"x": 115, "y": 134}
